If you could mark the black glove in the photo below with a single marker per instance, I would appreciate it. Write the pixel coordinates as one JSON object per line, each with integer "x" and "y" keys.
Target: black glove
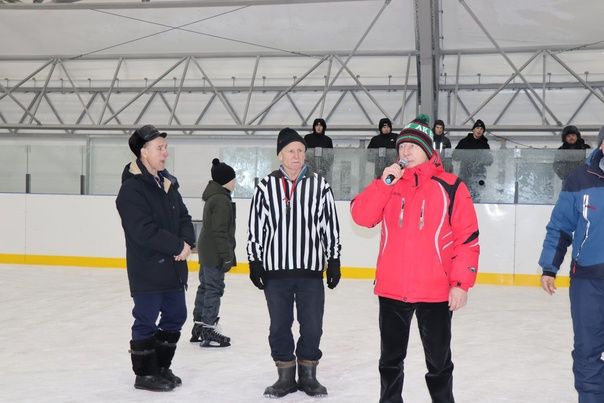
{"x": 226, "y": 265}
{"x": 333, "y": 273}
{"x": 257, "y": 274}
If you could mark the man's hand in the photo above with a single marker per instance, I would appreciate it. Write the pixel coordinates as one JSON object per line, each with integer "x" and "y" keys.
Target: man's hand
{"x": 257, "y": 274}
{"x": 184, "y": 254}
{"x": 333, "y": 273}
{"x": 226, "y": 265}
{"x": 457, "y": 298}
{"x": 548, "y": 283}
{"x": 394, "y": 170}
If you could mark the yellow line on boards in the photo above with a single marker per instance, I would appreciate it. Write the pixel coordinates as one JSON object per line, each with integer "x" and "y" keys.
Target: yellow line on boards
{"x": 531, "y": 280}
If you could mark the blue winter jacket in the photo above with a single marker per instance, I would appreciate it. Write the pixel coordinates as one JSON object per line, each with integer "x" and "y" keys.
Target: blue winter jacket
{"x": 578, "y": 218}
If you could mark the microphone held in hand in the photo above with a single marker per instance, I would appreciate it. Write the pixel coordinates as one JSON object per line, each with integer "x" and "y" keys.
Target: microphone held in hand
{"x": 402, "y": 163}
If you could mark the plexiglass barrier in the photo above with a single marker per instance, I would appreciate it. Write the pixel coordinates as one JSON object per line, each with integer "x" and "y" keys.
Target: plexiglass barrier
{"x": 512, "y": 176}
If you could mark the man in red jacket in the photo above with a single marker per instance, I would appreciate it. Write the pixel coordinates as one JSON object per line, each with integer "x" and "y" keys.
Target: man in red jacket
{"x": 428, "y": 258}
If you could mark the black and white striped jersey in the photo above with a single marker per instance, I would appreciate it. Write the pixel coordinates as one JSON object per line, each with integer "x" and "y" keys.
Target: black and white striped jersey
{"x": 293, "y": 225}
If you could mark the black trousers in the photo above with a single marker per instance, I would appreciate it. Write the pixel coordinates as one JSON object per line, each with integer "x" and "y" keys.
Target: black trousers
{"x": 434, "y": 321}
{"x": 308, "y": 296}
{"x": 148, "y": 308}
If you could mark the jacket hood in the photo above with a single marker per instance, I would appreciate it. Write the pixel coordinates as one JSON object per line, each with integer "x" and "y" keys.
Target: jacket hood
{"x": 214, "y": 188}
{"x": 570, "y": 130}
{"x": 384, "y": 121}
{"x": 319, "y": 121}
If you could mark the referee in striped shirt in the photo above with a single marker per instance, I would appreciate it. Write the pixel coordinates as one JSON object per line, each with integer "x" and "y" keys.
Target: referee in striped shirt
{"x": 293, "y": 236}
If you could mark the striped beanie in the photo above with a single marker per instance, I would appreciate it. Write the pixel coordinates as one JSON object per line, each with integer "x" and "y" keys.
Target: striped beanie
{"x": 418, "y": 132}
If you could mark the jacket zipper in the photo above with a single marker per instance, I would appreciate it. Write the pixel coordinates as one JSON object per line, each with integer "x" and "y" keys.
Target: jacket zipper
{"x": 402, "y": 213}
{"x": 421, "y": 215}
{"x": 584, "y": 212}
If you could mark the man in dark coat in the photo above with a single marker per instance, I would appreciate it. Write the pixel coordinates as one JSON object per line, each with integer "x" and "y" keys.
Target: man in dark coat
{"x": 320, "y": 161}
{"x": 565, "y": 162}
{"x": 216, "y": 248}
{"x": 472, "y": 169}
{"x": 318, "y": 138}
{"x": 440, "y": 143}
{"x": 385, "y": 139}
{"x": 159, "y": 237}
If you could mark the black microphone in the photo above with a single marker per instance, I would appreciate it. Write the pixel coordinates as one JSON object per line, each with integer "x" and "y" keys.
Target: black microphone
{"x": 402, "y": 163}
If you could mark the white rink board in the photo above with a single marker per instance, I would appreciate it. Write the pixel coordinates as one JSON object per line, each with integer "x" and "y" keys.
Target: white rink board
{"x": 89, "y": 226}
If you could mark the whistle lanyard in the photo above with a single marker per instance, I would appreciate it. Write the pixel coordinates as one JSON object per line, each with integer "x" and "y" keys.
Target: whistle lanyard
{"x": 287, "y": 196}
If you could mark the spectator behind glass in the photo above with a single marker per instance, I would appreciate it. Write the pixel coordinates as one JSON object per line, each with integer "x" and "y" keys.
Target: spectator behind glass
{"x": 566, "y": 162}
{"x": 318, "y": 161}
{"x": 442, "y": 142}
{"x": 385, "y": 139}
{"x": 472, "y": 168}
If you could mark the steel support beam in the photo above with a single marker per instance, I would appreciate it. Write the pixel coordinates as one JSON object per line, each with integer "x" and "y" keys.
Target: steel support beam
{"x": 507, "y": 59}
{"x": 350, "y": 55}
{"x": 427, "y": 44}
{"x": 275, "y": 128}
{"x": 88, "y": 5}
{"x": 144, "y": 90}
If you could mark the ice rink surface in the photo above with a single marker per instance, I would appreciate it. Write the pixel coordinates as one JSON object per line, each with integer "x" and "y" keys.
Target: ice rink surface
{"x": 64, "y": 336}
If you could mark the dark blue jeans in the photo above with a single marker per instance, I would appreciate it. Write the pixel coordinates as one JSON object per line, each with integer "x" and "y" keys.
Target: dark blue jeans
{"x": 587, "y": 312}
{"x": 308, "y": 294}
{"x": 209, "y": 292}
{"x": 434, "y": 322}
{"x": 147, "y": 309}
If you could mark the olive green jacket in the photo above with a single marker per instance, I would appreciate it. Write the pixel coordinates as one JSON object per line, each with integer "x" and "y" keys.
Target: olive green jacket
{"x": 216, "y": 244}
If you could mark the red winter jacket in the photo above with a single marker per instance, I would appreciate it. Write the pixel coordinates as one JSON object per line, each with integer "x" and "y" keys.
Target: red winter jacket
{"x": 428, "y": 245}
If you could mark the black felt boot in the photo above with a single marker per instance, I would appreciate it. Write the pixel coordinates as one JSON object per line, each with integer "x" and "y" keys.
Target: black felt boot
{"x": 287, "y": 380}
{"x": 166, "y": 347}
{"x": 144, "y": 365}
{"x": 307, "y": 379}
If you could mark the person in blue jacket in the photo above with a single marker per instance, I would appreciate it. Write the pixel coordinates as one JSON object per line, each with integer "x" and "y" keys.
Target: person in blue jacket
{"x": 578, "y": 219}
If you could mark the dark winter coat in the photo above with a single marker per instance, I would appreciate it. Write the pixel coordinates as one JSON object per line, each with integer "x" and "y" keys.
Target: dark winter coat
{"x": 565, "y": 162}
{"x": 314, "y": 140}
{"x": 442, "y": 139}
{"x": 216, "y": 244}
{"x": 473, "y": 165}
{"x": 383, "y": 141}
{"x": 156, "y": 225}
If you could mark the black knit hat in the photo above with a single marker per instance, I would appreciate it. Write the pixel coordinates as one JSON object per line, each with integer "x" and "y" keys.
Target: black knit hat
{"x": 418, "y": 132}
{"x": 287, "y": 136}
{"x": 479, "y": 123}
{"x": 384, "y": 122}
{"x": 221, "y": 172}
{"x": 321, "y": 122}
{"x": 141, "y": 136}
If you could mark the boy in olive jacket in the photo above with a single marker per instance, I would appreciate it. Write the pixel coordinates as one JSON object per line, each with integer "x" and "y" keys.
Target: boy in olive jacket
{"x": 216, "y": 248}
